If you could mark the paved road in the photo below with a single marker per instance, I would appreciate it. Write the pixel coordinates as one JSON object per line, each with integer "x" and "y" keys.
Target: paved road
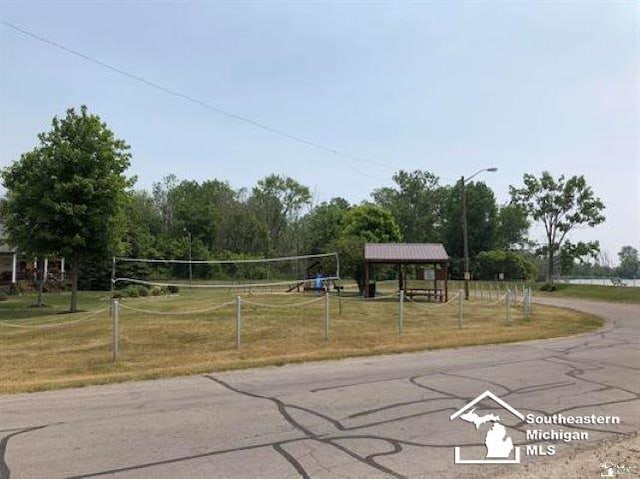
{"x": 370, "y": 417}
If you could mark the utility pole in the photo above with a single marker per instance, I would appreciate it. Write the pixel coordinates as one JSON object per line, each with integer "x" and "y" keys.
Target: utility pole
{"x": 465, "y": 234}
{"x": 465, "y": 240}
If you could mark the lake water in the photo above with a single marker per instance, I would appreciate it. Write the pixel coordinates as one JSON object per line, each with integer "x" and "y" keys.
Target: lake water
{"x": 599, "y": 281}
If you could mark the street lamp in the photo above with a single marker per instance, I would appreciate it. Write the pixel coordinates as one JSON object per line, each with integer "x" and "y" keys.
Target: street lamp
{"x": 465, "y": 236}
{"x": 190, "y": 265}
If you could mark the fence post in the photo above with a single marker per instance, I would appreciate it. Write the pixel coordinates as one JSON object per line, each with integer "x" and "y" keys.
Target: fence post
{"x": 401, "y": 312}
{"x": 460, "y": 309}
{"x": 507, "y": 302}
{"x": 326, "y": 315}
{"x": 116, "y": 330}
{"x": 238, "y": 321}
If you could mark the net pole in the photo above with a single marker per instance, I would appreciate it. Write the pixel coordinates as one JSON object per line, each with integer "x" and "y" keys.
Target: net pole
{"x": 326, "y": 315}
{"x": 116, "y": 330}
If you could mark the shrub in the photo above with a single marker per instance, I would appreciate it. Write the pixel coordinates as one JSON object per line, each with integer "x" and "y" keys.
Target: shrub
{"x": 132, "y": 291}
{"x": 489, "y": 265}
{"x": 143, "y": 291}
{"x": 3, "y": 296}
{"x": 548, "y": 287}
{"x": 156, "y": 291}
{"x": 173, "y": 289}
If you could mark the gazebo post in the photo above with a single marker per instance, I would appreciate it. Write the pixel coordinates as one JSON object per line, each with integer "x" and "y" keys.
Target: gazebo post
{"x": 446, "y": 282}
{"x": 366, "y": 279}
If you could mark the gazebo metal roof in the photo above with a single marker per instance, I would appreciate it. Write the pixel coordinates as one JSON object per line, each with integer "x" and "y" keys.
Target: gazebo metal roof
{"x": 405, "y": 253}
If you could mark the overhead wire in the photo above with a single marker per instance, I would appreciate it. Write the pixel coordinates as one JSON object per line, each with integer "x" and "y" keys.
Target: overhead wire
{"x": 234, "y": 116}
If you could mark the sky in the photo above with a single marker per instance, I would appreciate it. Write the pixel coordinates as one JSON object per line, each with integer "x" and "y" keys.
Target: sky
{"x": 450, "y": 87}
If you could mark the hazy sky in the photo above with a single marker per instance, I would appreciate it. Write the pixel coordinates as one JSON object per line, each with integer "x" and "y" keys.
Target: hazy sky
{"x": 448, "y": 87}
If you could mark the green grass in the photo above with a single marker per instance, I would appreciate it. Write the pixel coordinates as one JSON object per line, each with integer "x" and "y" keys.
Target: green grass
{"x": 155, "y": 345}
{"x": 624, "y": 294}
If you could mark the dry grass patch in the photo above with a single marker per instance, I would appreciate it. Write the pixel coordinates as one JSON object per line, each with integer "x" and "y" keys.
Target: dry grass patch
{"x": 154, "y": 345}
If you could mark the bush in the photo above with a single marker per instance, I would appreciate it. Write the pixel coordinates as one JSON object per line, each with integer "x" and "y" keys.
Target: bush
{"x": 548, "y": 287}
{"x": 132, "y": 291}
{"x": 489, "y": 265}
{"x": 173, "y": 289}
{"x": 16, "y": 289}
{"x": 143, "y": 291}
{"x": 3, "y": 296}
{"x": 156, "y": 291}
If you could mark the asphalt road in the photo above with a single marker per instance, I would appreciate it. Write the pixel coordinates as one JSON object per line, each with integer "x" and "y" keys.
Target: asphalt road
{"x": 386, "y": 416}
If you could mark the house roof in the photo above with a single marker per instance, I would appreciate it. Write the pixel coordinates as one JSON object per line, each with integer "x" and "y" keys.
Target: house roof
{"x": 405, "y": 253}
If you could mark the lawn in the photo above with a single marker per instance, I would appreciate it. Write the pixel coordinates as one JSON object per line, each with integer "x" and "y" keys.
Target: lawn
{"x": 626, "y": 294}
{"x": 51, "y": 350}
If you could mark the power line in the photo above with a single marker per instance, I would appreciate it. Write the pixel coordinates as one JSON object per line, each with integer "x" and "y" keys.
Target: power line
{"x": 220, "y": 111}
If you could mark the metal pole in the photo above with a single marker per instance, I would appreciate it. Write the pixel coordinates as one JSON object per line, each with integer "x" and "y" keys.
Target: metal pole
{"x": 339, "y": 297}
{"x": 238, "y": 321}
{"x": 326, "y": 315}
{"x": 190, "y": 264}
{"x": 460, "y": 310}
{"x": 465, "y": 239}
{"x": 113, "y": 283}
{"x": 401, "y": 312}
{"x": 116, "y": 329}
{"x": 507, "y": 301}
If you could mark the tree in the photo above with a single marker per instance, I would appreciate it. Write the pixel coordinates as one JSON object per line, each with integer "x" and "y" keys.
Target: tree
{"x": 414, "y": 203}
{"x": 512, "y": 227}
{"x": 323, "y": 225}
{"x": 482, "y": 213}
{"x": 629, "y": 262}
{"x": 66, "y": 197}
{"x": 366, "y": 223}
{"x": 560, "y": 205}
{"x": 277, "y": 202}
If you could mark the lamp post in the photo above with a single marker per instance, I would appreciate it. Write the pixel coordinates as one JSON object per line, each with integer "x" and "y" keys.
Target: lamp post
{"x": 465, "y": 235}
{"x": 190, "y": 265}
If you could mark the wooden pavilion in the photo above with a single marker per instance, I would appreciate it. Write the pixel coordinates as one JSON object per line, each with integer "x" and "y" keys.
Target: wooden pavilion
{"x": 432, "y": 257}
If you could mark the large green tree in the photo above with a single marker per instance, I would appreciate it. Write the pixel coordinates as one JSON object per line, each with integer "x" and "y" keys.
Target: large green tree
{"x": 560, "y": 205}
{"x": 512, "y": 228}
{"x": 323, "y": 225}
{"x": 629, "y": 262}
{"x": 277, "y": 202}
{"x": 365, "y": 223}
{"x": 67, "y": 196}
{"x": 414, "y": 203}
{"x": 482, "y": 214}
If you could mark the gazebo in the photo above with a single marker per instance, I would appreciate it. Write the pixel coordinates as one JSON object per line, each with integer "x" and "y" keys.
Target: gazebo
{"x": 432, "y": 256}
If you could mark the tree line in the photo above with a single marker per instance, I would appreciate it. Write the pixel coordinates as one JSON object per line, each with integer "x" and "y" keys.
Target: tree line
{"x": 71, "y": 196}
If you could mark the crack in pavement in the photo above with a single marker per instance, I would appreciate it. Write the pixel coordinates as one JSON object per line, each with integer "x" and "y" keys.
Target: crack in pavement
{"x": 5, "y": 471}
{"x": 339, "y": 434}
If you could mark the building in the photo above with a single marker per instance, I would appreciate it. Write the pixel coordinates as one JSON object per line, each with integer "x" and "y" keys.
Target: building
{"x": 15, "y": 266}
